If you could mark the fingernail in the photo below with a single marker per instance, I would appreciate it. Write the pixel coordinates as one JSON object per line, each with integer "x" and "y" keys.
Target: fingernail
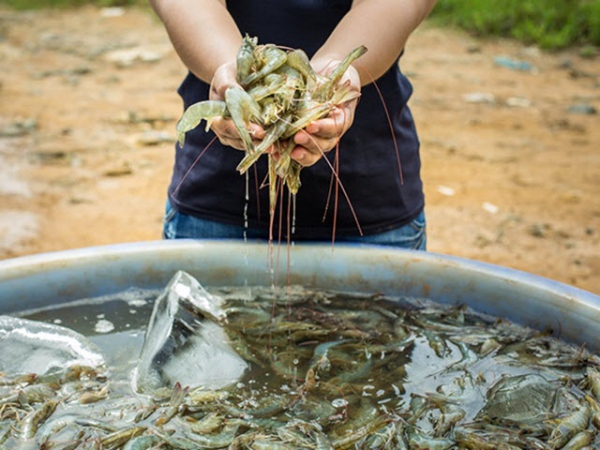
{"x": 312, "y": 128}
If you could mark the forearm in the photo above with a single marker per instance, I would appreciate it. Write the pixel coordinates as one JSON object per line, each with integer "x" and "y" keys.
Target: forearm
{"x": 383, "y": 26}
{"x": 202, "y": 32}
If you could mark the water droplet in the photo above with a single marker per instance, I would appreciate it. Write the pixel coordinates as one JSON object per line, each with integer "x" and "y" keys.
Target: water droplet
{"x": 104, "y": 326}
{"x": 339, "y": 402}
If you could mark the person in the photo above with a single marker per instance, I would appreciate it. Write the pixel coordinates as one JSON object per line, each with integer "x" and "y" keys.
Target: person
{"x": 379, "y": 196}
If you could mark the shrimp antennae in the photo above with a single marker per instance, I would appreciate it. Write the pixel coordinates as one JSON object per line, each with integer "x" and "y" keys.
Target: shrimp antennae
{"x": 389, "y": 120}
{"x": 192, "y": 165}
{"x": 334, "y": 174}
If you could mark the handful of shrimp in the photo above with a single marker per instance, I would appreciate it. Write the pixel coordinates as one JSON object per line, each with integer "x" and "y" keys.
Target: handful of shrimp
{"x": 279, "y": 90}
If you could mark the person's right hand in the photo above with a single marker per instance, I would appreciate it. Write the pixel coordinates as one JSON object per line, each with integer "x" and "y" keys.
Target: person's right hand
{"x": 224, "y": 77}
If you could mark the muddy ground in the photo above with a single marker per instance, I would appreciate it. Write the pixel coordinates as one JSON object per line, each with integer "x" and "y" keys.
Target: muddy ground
{"x": 510, "y": 139}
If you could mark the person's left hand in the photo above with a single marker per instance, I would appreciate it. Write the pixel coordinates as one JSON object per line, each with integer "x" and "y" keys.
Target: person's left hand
{"x": 321, "y": 136}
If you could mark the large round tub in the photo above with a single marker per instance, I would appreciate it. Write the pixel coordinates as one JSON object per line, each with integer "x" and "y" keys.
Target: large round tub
{"x": 52, "y": 278}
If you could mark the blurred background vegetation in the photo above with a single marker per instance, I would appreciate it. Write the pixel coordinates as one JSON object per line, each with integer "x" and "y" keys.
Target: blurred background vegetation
{"x": 549, "y": 24}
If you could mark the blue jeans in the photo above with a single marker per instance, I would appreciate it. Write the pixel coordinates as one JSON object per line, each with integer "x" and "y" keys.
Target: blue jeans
{"x": 177, "y": 225}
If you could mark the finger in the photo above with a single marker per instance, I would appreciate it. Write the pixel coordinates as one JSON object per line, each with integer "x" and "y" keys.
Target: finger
{"x": 308, "y": 142}
{"x": 256, "y": 131}
{"x": 315, "y": 144}
{"x": 238, "y": 144}
{"x": 334, "y": 125}
{"x": 331, "y": 127}
{"x": 304, "y": 157}
{"x": 228, "y": 134}
{"x": 226, "y": 128}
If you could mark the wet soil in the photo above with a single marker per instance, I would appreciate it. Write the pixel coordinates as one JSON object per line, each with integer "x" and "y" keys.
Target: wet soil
{"x": 510, "y": 138}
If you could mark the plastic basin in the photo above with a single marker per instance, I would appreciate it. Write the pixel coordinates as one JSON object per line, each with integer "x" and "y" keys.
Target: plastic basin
{"x": 51, "y": 278}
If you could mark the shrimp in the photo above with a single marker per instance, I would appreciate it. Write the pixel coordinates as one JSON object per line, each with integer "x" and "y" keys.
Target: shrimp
{"x": 311, "y": 110}
{"x": 271, "y": 57}
{"x": 37, "y": 417}
{"x": 242, "y": 108}
{"x": 579, "y": 441}
{"x": 149, "y": 441}
{"x": 570, "y": 426}
{"x": 119, "y": 438}
{"x": 289, "y": 169}
{"x": 206, "y": 110}
{"x": 593, "y": 382}
{"x": 272, "y": 135}
{"x": 177, "y": 399}
{"x": 297, "y": 59}
{"x": 278, "y": 90}
{"x": 245, "y": 57}
{"x": 325, "y": 90}
{"x": 272, "y": 85}
{"x": 359, "y": 433}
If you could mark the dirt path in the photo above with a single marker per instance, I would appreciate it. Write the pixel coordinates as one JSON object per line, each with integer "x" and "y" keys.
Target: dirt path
{"x": 88, "y": 109}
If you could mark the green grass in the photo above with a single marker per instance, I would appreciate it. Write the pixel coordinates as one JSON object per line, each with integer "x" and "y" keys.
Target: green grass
{"x": 550, "y": 24}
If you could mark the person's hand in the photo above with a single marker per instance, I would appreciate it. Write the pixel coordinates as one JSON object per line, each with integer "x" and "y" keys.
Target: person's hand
{"x": 321, "y": 136}
{"x": 224, "y": 77}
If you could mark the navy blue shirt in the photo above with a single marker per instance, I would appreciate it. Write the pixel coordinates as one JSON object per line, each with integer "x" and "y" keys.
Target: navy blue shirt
{"x": 379, "y": 164}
